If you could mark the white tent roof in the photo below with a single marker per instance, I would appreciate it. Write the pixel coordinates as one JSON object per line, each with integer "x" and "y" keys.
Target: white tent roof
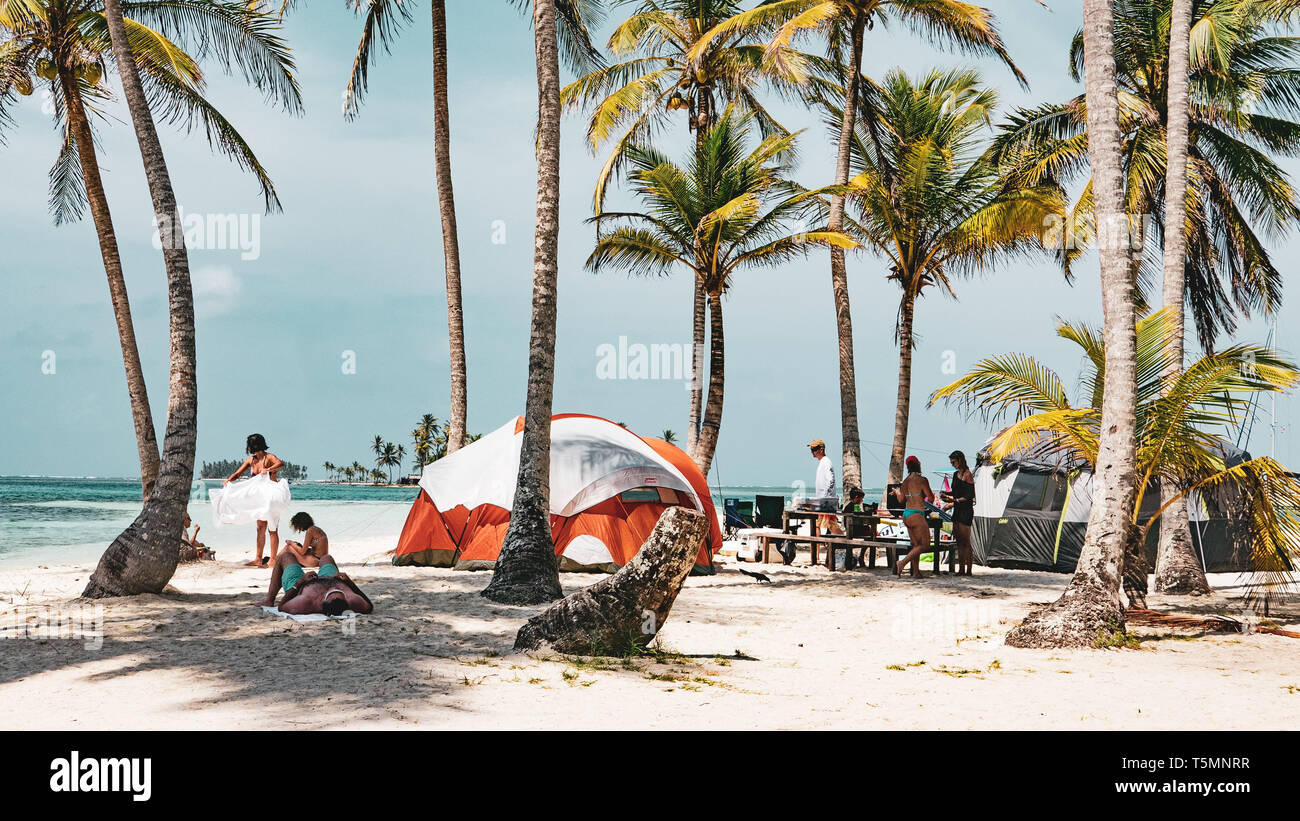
{"x": 592, "y": 459}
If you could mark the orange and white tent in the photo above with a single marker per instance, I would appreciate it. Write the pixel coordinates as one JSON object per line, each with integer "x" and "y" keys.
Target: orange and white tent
{"x": 608, "y": 489}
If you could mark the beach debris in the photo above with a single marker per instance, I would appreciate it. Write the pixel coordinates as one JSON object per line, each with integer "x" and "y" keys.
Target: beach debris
{"x": 1213, "y": 624}
{"x": 625, "y": 611}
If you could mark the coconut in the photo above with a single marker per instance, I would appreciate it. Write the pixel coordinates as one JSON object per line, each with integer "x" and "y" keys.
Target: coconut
{"x": 92, "y": 74}
{"x": 24, "y": 85}
{"x": 45, "y": 68}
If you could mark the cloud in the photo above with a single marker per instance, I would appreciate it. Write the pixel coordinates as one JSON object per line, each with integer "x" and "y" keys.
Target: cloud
{"x": 216, "y": 290}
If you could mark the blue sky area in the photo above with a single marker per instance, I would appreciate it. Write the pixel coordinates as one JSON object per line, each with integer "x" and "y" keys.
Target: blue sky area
{"x": 354, "y": 263}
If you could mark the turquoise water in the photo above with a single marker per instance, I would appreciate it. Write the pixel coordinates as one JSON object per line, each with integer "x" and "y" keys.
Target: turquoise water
{"x": 47, "y": 520}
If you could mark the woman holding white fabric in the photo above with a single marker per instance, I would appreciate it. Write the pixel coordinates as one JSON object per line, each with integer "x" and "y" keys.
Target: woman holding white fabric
{"x": 262, "y": 498}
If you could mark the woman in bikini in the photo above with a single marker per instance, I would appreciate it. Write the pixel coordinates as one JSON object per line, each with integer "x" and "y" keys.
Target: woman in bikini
{"x": 962, "y": 502}
{"x": 913, "y": 493}
{"x": 261, "y": 461}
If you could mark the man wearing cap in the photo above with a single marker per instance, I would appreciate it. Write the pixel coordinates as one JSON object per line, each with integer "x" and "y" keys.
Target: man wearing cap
{"x": 824, "y": 486}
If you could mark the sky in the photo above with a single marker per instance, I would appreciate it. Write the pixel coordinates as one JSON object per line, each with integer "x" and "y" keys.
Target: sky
{"x": 325, "y": 325}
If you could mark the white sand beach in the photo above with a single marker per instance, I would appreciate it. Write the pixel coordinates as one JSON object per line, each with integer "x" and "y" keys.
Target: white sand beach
{"x": 812, "y": 649}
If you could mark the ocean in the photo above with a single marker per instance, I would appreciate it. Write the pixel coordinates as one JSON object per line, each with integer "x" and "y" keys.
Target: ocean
{"x": 53, "y": 520}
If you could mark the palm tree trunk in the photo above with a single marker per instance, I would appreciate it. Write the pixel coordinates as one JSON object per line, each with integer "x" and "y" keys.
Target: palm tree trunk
{"x": 852, "y": 448}
{"x": 146, "y": 439}
{"x": 526, "y": 570}
{"x": 699, "y": 318}
{"x": 699, "y": 300}
{"x": 708, "y": 441}
{"x": 450, "y": 241}
{"x": 143, "y": 558}
{"x": 1178, "y": 569}
{"x": 903, "y": 408}
{"x": 1090, "y": 606}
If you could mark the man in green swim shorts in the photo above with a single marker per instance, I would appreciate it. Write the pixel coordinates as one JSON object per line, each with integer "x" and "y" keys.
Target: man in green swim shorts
{"x": 299, "y": 559}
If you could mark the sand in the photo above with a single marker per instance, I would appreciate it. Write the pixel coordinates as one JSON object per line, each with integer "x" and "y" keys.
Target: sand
{"x": 810, "y": 650}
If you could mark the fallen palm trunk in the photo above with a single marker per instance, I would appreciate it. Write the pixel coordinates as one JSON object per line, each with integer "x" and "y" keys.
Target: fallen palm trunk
{"x": 1216, "y": 624}
{"x": 623, "y": 613}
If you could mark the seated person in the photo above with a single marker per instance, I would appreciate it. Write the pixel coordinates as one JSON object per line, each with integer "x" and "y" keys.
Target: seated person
{"x": 310, "y": 577}
{"x": 191, "y": 548}
{"x": 854, "y": 504}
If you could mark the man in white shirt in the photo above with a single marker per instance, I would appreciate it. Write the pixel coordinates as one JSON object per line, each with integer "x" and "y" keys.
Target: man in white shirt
{"x": 824, "y": 486}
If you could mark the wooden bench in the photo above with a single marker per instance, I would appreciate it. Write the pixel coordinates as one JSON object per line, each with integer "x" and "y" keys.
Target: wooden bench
{"x": 893, "y": 550}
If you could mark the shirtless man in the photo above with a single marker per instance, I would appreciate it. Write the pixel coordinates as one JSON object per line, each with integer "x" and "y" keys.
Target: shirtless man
{"x": 913, "y": 493}
{"x": 331, "y": 596}
{"x": 312, "y": 553}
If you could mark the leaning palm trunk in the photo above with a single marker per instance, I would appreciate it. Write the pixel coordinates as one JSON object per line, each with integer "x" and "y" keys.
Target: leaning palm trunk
{"x": 852, "y": 448}
{"x": 526, "y": 570}
{"x": 903, "y": 409}
{"x": 699, "y": 319}
{"x": 146, "y": 439}
{"x": 699, "y": 299}
{"x": 708, "y": 441}
{"x": 1091, "y": 603}
{"x": 450, "y": 242}
{"x": 1178, "y": 570}
{"x": 143, "y": 558}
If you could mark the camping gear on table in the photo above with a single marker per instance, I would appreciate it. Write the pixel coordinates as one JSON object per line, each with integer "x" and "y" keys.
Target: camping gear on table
{"x": 608, "y": 488}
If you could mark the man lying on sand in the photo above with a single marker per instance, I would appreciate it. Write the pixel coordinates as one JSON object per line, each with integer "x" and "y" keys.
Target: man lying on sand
{"x": 310, "y": 577}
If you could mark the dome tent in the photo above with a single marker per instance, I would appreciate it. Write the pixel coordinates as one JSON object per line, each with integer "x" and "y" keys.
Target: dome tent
{"x": 608, "y": 488}
{"x": 1032, "y": 508}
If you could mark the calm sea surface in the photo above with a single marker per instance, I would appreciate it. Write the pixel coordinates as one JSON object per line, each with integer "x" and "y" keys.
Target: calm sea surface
{"x": 47, "y": 520}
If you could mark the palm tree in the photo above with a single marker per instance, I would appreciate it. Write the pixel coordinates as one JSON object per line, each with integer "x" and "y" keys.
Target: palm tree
{"x": 669, "y": 436}
{"x": 143, "y": 557}
{"x": 727, "y": 210}
{"x": 329, "y": 469}
{"x": 66, "y": 43}
{"x": 661, "y": 73}
{"x": 383, "y": 20}
{"x": 1177, "y": 568}
{"x": 931, "y": 203}
{"x": 1090, "y": 605}
{"x": 388, "y": 458}
{"x": 360, "y": 471}
{"x": 843, "y": 24}
{"x": 526, "y": 570}
{"x": 1243, "y": 107}
{"x": 1227, "y": 187}
{"x": 1176, "y": 422}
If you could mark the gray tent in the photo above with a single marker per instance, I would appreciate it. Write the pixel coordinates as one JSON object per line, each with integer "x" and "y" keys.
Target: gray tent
{"x": 1031, "y": 511}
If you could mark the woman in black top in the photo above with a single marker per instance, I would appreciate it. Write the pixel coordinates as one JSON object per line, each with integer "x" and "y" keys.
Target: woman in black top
{"x": 962, "y": 502}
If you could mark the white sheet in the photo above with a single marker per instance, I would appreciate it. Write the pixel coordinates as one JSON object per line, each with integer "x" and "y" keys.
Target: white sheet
{"x": 245, "y": 501}
{"x": 347, "y": 614}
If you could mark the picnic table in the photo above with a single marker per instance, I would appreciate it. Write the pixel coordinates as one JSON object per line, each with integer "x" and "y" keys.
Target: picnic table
{"x": 792, "y": 518}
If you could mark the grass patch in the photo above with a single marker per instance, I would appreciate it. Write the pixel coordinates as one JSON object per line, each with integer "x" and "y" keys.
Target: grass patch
{"x": 905, "y": 666}
{"x": 1113, "y": 636}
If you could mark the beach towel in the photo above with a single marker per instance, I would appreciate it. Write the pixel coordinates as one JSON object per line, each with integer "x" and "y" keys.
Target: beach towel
{"x": 245, "y": 501}
{"x": 346, "y": 614}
